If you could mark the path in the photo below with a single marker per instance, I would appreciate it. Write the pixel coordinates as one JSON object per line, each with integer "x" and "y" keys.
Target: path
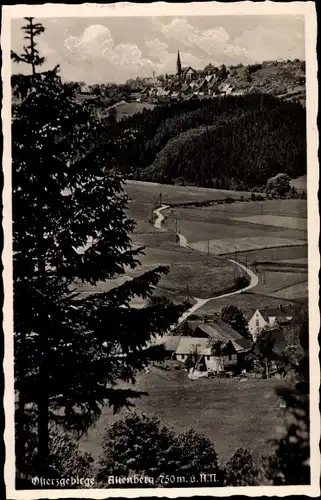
{"x": 254, "y": 280}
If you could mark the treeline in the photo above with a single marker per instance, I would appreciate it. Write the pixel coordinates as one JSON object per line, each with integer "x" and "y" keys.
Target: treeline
{"x": 242, "y": 142}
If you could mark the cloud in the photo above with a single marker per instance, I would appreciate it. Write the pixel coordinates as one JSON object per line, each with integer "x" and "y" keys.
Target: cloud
{"x": 116, "y": 49}
{"x": 258, "y": 44}
{"x": 96, "y": 45}
{"x": 262, "y": 43}
{"x": 214, "y": 42}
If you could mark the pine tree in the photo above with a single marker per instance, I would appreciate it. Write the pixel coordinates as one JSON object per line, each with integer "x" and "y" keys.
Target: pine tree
{"x": 31, "y": 53}
{"x": 69, "y": 224}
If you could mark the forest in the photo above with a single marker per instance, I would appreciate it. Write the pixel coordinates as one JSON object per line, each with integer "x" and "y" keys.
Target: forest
{"x": 233, "y": 142}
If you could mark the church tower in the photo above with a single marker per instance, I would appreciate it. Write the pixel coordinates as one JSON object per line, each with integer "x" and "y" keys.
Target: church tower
{"x": 179, "y": 66}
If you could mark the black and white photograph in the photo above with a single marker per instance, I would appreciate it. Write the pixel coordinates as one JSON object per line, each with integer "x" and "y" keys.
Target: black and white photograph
{"x": 161, "y": 250}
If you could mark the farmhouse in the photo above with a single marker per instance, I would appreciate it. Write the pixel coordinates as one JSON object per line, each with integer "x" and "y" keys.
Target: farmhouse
{"x": 203, "y": 334}
{"x": 267, "y": 317}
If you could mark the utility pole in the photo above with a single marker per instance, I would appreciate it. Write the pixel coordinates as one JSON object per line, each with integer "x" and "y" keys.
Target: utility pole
{"x": 208, "y": 247}
{"x": 187, "y": 291}
{"x": 176, "y": 227}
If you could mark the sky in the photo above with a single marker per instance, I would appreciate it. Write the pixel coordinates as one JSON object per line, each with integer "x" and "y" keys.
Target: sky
{"x": 114, "y": 49}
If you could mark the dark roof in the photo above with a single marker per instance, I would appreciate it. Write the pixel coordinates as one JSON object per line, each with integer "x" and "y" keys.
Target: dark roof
{"x": 272, "y": 312}
{"x": 218, "y": 329}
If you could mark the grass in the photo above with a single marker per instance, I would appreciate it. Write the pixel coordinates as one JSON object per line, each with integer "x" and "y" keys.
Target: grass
{"x": 248, "y": 302}
{"x": 241, "y": 244}
{"x": 150, "y": 191}
{"x": 275, "y": 255}
{"x": 222, "y": 409}
{"x": 271, "y": 282}
{"x": 298, "y": 291}
{"x": 276, "y": 220}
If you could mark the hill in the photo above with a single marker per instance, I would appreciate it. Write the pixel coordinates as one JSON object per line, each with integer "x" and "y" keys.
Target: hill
{"x": 233, "y": 142}
{"x": 248, "y": 142}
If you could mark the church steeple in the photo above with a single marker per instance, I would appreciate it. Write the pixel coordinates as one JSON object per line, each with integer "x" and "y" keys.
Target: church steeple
{"x": 179, "y": 65}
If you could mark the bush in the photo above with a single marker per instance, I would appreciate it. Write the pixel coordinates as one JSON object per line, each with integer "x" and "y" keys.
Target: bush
{"x": 241, "y": 470}
{"x": 280, "y": 184}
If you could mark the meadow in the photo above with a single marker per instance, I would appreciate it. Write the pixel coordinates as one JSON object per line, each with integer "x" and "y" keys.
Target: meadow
{"x": 211, "y": 406}
{"x": 215, "y": 234}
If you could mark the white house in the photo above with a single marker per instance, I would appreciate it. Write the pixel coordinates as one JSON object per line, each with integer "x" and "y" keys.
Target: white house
{"x": 271, "y": 316}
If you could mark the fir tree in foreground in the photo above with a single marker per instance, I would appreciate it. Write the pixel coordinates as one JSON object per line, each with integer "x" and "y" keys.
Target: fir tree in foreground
{"x": 69, "y": 224}
{"x": 30, "y": 53}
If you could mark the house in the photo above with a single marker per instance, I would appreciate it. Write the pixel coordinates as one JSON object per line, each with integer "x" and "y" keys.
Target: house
{"x": 189, "y": 345}
{"x": 204, "y": 332}
{"x": 225, "y": 88}
{"x": 271, "y": 316}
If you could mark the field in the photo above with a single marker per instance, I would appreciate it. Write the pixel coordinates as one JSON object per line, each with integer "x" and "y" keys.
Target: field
{"x": 226, "y": 245}
{"x": 209, "y": 406}
{"x": 276, "y": 220}
{"x": 202, "y": 271}
{"x": 151, "y": 191}
{"x": 124, "y": 109}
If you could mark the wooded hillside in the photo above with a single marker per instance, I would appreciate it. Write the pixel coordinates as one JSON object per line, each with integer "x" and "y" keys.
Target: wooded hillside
{"x": 232, "y": 142}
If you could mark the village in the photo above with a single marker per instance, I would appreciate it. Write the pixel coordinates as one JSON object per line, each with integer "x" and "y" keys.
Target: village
{"x": 211, "y": 82}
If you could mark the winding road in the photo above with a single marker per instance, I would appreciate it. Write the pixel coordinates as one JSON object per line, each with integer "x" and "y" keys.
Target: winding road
{"x": 184, "y": 243}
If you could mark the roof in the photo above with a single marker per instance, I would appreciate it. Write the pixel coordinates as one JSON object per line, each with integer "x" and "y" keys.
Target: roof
{"x": 170, "y": 342}
{"x": 185, "y": 70}
{"x": 272, "y": 312}
{"x": 188, "y": 344}
{"x": 218, "y": 329}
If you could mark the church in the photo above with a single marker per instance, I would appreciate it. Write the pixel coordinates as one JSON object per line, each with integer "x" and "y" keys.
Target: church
{"x": 185, "y": 74}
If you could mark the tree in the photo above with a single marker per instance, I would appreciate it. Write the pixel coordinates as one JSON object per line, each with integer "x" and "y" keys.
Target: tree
{"x": 290, "y": 462}
{"x": 234, "y": 317}
{"x": 263, "y": 353}
{"x": 241, "y": 470}
{"x": 69, "y": 224}
{"x": 279, "y": 184}
{"x": 140, "y": 444}
{"x": 31, "y": 53}
{"x": 194, "y": 454}
{"x": 218, "y": 347}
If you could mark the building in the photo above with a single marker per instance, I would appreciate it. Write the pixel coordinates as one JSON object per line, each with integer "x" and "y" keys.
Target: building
{"x": 270, "y": 317}
{"x": 204, "y": 333}
{"x": 199, "y": 346}
{"x": 189, "y": 74}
